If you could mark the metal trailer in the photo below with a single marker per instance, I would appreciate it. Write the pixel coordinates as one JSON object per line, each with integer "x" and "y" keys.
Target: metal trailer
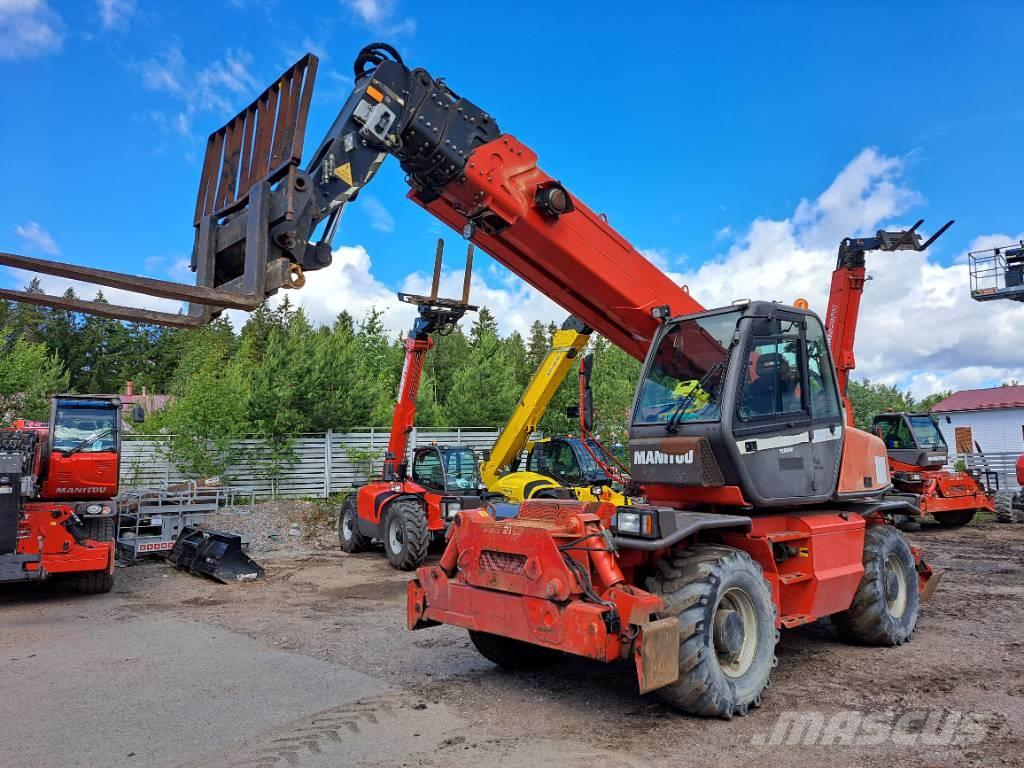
{"x": 150, "y": 520}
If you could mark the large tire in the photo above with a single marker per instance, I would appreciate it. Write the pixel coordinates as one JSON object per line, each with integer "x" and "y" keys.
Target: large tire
{"x": 727, "y": 632}
{"x": 406, "y": 538}
{"x": 956, "y": 519}
{"x": 352, "y": 541}
{"x": 1005, "y": 502}
{"x": 887, "y": 602}
{"x": 512, "y": 654}
{"x": 96, "y": 582}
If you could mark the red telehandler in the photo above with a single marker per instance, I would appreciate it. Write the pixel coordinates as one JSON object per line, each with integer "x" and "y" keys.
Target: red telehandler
{"x": 916, "y": 450}
{"x": 58, "y": 481}
{"x": 405, "y": 509}
{"x": 766, "y": 510}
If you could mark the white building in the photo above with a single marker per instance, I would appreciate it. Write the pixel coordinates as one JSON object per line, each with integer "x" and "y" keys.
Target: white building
{"x": 989, "y": 421}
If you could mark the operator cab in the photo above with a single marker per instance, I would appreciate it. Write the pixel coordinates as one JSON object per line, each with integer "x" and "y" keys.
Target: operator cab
{"x": 568, "y": 461}
{"x": 913, "y": 439}
{"x": 450, "y": 470}
{"x": 742, "y": 403}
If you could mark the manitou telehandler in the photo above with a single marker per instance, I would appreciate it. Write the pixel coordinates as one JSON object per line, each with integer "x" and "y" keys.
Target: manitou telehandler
{"x": 766, "y": 510}
{"x": 58, "y": 481}
{"x": 916, "y": 449}
{"x": 559, "y": 467}
{"x": 406, "y": 508}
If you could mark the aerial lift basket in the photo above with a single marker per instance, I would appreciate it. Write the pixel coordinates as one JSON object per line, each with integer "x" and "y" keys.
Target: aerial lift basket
{"x": 251, "y": 196}
{"x": 997, "y": 273}
{"x": 216, "y": 554}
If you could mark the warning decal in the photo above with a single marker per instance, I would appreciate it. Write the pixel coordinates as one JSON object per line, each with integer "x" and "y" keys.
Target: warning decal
{"x": 344, "y": 172}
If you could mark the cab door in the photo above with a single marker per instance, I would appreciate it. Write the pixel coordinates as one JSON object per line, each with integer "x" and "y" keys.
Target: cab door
{"x": 787, "y": 426}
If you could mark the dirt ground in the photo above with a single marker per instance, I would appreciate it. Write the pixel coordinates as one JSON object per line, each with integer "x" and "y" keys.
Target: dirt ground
{"x": 313, "y": 667}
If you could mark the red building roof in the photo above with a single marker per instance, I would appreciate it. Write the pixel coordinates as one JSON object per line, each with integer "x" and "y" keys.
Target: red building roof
{"x": 983, "y": 399}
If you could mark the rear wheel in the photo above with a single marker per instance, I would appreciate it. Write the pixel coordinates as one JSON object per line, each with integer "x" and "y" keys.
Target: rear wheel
{"x": 352, "y": 541}
{"x": 406, "y": 538}
{"x": 96, "y": 582}
{"x": 1005, "y": 502}
{"x": 512, "y": 654}
{"x": 727, "y": 630}
{"x": 955, "y": 519}
{"x": 886, "y": 604}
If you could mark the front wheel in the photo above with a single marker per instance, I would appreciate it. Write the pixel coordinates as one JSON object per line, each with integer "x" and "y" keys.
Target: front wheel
{"x": 727, "y": 631}
{"x": 352, "y": 541}
{"x": 1006, "y": 503}
{"x": 99, "y": 529}
{"x": 406, "y": 537}
{"x": 887, "y": 603}
{"x": 956, "y": 519}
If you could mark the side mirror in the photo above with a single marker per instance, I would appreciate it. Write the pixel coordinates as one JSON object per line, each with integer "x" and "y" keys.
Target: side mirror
{"x": 486, "y": 454}
{"x": 573, "y": 411}
{"x": 138, "y": 414}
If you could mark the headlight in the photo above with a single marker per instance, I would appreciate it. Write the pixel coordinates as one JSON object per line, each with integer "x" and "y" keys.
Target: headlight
{"x": 642, "y": 523}
{"x": 914, "y": 477}
{"x": 94, "y": 509}
{"x": 450, "y": 509}
{"x": 396, "y": 487}
{"x": 598, "y": 491}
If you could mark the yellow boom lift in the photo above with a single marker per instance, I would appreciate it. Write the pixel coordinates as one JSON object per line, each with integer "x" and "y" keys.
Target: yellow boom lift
{"x": 556, "y": 467}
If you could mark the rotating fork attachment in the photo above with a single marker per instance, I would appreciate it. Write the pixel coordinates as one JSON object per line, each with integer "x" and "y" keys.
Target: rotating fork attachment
{"x": 253, "y": 214}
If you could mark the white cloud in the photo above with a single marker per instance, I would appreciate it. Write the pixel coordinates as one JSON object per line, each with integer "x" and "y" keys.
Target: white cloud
{"x": 918, "y": 328}
{"x": 380, "y": 15}
{"x": 37, "y": 238}
{"x": 29, "y": 29}
{"x": 165, "y": 72}
{"x": 115, "y": 13}
{"x": 380, "y": 219}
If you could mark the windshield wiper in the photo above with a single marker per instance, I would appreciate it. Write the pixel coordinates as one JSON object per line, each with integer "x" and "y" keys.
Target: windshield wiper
{"x": 89, "y": 441}
{"x": 672, "y": 425}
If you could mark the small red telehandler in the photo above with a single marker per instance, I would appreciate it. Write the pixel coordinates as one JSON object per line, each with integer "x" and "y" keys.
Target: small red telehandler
{"x": 400, "y": 510}
{"x": 57, "y": 485}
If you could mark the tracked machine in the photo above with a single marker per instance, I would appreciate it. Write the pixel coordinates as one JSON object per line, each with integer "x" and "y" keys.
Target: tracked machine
{"x": 58, "y": 480}
{"x": 766, "y": 510}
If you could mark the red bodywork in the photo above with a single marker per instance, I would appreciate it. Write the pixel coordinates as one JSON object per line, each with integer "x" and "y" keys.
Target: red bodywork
{"x": 62, "y": 484}
{"x": 508, "y": 577}
{"x": 941, "y": 490}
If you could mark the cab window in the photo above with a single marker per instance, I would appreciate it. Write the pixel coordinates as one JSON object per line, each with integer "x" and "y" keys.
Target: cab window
{"x": 427, "y": 470}
{"x": 823, "y": 396}
{"x": 85, "y": 430}
{"x": 461, "y": 470}
{"x": 771, "y": 382}
{"x": 556, "y": 460}
{"x": 894, "y": 432}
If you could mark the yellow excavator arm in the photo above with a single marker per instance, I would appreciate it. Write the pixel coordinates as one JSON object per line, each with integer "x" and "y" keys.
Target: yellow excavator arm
{"x": 566, "y": 345}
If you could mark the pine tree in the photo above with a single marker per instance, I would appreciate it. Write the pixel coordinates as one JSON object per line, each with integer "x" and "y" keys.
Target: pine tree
{"x": 484, "y": 325}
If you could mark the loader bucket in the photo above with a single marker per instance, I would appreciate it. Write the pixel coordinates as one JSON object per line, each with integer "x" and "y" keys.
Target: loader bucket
{"x": 217, "y": 554}
{"x": 252, "y": 199}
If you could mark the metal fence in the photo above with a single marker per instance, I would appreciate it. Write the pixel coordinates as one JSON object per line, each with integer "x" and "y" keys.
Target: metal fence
{"x": 1003, "y": 464}
{"x": 317, "y": 465}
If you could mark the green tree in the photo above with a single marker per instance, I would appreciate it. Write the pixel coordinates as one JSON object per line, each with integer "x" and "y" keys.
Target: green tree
{"x": 29, "y": 375}
{"x": 868, "y": 400}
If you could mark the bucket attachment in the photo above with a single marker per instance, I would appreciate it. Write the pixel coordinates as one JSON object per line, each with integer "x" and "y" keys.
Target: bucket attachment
{"x": 252, "y": 200}
{"x": 217, "y": 554}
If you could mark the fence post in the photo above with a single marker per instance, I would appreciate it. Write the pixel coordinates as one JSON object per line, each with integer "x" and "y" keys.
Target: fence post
{"x": 327, "y": 463}
{"x": 373, "y": 461}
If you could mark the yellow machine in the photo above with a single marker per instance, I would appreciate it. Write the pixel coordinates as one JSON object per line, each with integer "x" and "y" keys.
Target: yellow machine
{"x": 556, "y": 467}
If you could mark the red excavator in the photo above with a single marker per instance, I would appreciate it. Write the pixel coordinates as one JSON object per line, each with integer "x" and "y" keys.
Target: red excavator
{"x": 405, "y": 510}
{"x": 916, "y": 449}
{"x": 58, "y": 480}
{"x": 766, "y": 510}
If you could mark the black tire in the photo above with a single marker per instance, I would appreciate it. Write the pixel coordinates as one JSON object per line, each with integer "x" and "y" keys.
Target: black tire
{"x": 887, "y": 602}
{"x": 1005, "y": 502}
{"x": 711, "y": 588}
{"x": 406, "y": 538}
{"x": 512, "y": 654}
{"x": 351, "y": 540}
{"x": 956, "y": 519}
{"x": 96, "y": 582}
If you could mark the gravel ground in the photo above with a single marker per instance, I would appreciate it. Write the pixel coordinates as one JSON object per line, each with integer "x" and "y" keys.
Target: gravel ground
{"x": 427, "y": 698}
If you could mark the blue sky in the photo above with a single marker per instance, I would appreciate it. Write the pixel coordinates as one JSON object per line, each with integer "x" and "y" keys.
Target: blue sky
{"x": 691, "y": 125}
